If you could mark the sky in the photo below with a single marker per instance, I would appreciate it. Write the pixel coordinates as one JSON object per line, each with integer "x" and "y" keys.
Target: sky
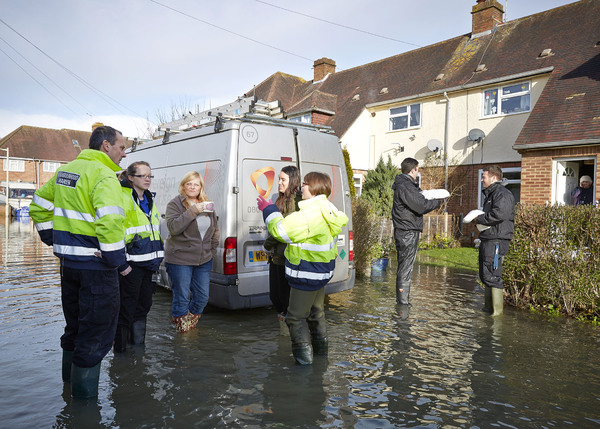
{"x": 70, "y": 63}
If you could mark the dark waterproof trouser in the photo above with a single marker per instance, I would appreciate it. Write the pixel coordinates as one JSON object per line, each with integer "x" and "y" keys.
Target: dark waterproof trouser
{"x": 90, "y": 300}
{"x": 306, "y": 316}
{"x": 279, "y": 288}
{"x": 407, "y": 243}
{"x": 136, "y": 296}
{"x": 491, "y": 255}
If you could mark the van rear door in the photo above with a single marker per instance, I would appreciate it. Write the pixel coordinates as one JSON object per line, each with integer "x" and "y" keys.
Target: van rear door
{"x": 321, "y": 152}
{"x": 263, "y": 152}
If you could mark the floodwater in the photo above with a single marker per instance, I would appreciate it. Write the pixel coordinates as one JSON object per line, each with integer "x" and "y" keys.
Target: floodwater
{"x": 441, "y": 363}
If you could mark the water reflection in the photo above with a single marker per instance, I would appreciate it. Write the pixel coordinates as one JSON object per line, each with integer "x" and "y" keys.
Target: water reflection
{"x": 439, "y": 363}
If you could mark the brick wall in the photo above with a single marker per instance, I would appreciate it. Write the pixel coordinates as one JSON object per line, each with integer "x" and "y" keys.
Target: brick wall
{"x": 34, "y": 171}
{"x": 536, "y": 175}
{"x": 319, "y": 118}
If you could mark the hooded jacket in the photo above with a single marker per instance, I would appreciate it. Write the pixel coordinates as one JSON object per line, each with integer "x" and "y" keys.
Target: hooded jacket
{"x": 499, "y": 213}
{"x": 311, "y": 237}
{"x": 142, "y": 236}
{"x": 79, "y": 212}
{"x": 409, "y": 204}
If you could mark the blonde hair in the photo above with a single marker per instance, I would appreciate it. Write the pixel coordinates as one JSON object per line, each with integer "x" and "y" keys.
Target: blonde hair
{"x": 189, "y": 176}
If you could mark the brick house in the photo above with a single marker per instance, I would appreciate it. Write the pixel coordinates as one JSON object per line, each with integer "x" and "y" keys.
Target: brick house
{"x": 529, "y": 87}
{"x": 34, "y": 155}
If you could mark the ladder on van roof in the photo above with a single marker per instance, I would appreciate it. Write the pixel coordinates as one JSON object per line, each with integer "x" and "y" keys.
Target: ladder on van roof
{"x": 237, "y": 109}
{"x": 249, "y": 108}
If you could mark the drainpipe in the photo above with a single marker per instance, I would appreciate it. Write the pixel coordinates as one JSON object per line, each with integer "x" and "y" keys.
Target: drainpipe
{"x": 446, "y": 140}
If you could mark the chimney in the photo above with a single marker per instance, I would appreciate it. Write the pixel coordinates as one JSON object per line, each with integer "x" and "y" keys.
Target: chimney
{"x": 323, "y": 67}
{"x": 486, "y": 15}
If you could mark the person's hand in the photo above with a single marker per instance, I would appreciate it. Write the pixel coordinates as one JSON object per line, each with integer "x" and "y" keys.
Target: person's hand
{"x": 262, "y": 203}
{"x": 126, "y": 271}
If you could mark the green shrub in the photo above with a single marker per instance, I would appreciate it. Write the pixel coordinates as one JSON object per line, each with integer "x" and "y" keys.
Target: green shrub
{"x": 365, "y": 235}
{"x": 554, "y": 260}
{"x": 349, "y": 171}
{"x": 377, "y": 188}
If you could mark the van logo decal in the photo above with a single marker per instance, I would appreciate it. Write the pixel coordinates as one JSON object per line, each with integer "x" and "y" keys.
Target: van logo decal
{"x": 269, "y": 173}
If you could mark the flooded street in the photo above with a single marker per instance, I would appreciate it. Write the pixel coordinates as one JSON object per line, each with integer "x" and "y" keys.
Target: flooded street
{"x": 440, "y": 363}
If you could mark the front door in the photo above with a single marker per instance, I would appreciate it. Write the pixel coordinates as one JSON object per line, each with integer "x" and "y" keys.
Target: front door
{"x": 566, "y": 178}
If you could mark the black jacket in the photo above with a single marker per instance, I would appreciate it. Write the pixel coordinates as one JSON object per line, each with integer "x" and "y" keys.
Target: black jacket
{"x": 499, "y": 213}
{"x": 409, "y": 204}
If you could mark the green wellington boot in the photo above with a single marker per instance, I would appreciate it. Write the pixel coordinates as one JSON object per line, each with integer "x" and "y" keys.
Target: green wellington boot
{"x": 84, "y": 381}
{"x": 67, "y": 359}
{"x": 138, "y": 332}
{"x": 320, "y": 346}
{"x": 497, "y": 300}
{"x": 303, "y": 354}
{"x": 487, "y": 300}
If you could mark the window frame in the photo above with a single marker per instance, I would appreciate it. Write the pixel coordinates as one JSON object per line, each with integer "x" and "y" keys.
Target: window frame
{"x": 50, "y": 167}
{"x": 20, "y": 168}
{"x": 500, "y": 97}
{"x": 303, "y": 119}
{"x": 509, "y": 182}
{"x": 408, "y": 115}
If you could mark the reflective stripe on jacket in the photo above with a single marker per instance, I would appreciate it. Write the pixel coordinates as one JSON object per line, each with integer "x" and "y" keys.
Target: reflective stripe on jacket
{"x": 79, "y": 211}
{"x": 142, "y": 235}
{"x": 311, "y": 237}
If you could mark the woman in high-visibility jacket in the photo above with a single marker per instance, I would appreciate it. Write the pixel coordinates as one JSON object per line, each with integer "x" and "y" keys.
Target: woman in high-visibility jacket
{"x": 311, "y": 237}
{"x": 145, "y": 252}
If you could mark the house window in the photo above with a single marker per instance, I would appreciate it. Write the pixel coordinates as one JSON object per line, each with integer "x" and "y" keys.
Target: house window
{"x": 404, "y": 117}
{"x": 51, "y": 167}
{"x": 507, "y": 100}
{"x": 511, "y": 177}
{"x": 14, "y": 165}
{"x": 305, "y": 119}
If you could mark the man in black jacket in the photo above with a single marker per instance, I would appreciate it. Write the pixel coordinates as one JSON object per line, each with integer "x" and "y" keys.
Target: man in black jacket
{"x": 499, "y": 216}
{"x": 407, "y": 214}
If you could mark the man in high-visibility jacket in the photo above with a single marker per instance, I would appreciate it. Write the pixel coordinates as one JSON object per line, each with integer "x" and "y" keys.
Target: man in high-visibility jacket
{"x": 79, "y": 212}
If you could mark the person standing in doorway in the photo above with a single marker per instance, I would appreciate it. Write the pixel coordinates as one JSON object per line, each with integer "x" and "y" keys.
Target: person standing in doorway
{"x": 79, "y": 212}
{"x": 499, "y": 216}
{"x": 144, "y": 255}
{"x": 190, "y": 250}
{"x": 584, "y": 193}
{"x": 287, "y": 202}
{"x": 407, "y": 216}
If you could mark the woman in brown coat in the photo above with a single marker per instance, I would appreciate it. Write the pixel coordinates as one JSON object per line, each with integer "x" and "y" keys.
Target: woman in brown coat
{"x": 190, "y": 249}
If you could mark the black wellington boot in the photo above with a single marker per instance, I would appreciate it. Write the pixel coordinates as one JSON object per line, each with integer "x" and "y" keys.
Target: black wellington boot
{"x": 303, "y": 354}
{"x": 121, "y": 338}
{"x": 138, "y": 332}
{"x": 320, "y": 346}
{"x": 84, "y": 381}
{"x": 67, "y": 359}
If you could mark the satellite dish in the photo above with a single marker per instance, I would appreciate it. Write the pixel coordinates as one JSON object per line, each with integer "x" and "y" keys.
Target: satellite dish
{"x": 476, "y": 135}
{"x": 434, "y": 145}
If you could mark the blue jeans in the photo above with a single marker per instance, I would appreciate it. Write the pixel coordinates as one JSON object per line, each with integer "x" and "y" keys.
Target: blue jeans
{"x": 189, "y": 281}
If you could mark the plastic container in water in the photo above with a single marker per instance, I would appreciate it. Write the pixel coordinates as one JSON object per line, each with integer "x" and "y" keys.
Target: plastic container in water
{"x": 380, "y": 264}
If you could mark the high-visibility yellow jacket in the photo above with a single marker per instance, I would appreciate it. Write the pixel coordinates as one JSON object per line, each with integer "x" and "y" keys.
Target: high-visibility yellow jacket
{"x": 142, "y": 235}
{"x": 79, "y": 211}
{"x": 311, "y": 237}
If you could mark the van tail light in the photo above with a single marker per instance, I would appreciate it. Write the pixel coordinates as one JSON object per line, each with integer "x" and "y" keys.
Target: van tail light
{"x": 350, "y": 246}
{"x": 230, "y": 256}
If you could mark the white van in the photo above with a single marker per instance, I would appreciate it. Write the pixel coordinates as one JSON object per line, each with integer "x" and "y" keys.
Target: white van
{"x": 239, "y": 158}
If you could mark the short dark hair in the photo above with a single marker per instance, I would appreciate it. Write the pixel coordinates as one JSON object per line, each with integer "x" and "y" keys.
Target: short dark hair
{"x": 494, "y": 170}
{"x": 408, "y": 165}
{"x": 318, "y": 183}
{"x": 103, "y": 133}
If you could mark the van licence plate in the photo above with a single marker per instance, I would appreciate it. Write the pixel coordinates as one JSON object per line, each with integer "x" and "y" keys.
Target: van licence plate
{"x": 257, "y": 256}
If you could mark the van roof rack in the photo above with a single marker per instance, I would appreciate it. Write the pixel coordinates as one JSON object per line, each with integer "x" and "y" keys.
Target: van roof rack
{"x": 244, "y": 108}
